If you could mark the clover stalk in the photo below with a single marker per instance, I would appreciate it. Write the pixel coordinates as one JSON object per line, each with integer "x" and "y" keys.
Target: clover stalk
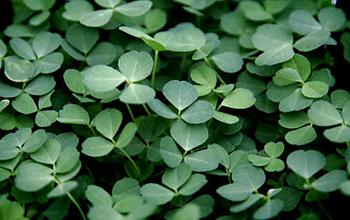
{"x": 154, "y": 70}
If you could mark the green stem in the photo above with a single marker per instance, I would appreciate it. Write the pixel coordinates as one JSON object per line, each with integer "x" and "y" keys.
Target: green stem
{"x": 183, "y": 62}
{"x": 131, "y": 160}
{"x": 130, "y": 112}
{"x": 321, "y": 207}
{"x": 206, "y": 60}
{"x": 91, "y": 129}
{"x": 77, "y": 205}
{"x": 154, "y": 70}
{"x": 74, "y": 201}
{"x": 146, "y": 109}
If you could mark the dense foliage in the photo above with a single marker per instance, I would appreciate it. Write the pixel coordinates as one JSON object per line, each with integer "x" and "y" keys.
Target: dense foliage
{"x": 183, "y": 109}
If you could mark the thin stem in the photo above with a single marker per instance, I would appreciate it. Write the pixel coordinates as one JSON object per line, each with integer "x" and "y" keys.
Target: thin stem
{"x": 74, "y": 201}
{"x": 146, "y": 109}
{"x": 91, "y": 129}
{"x": 321, "y": 207}
{"x": 77, "y": 205}
{"x": 154, "y": 70}
{"x": 206, "y": 60}
{"x": 131, "y": 160}
{"x": 130, "y": 112}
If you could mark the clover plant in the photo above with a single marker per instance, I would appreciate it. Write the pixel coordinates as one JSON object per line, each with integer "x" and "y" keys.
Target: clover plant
{"x": 174, "y": 109}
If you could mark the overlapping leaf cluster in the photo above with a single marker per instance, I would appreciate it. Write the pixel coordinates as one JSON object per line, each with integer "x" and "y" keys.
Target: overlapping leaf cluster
{"x": 182, "y": 109}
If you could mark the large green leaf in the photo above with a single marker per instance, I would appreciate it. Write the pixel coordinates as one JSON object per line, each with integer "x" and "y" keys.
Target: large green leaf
{"x": 82, "y": 38}
{"x": 156, "y": 193}
{"x": 275, "y": 41}
{"x": 24, "y": 104}
{"x": 7, "y": 150}
{"x": 174, "y": 178}
{"x": 96, "y": 147}
{"x": 75, "y": 9}
{"x": 239, "y": 98}
{"x": 204, "y": 160}
{"x": 35, "y": 141}
{"x": 330, "y": 181}
{"x": 96, "y": 18}
{"x": 74, "y": 80}
{"x": 62, "y": 189}
{"x": 254, "y": 11}
{"x": 301, "y": 136}
{"x": 73, "y": 114}
{"x": 103, "y": 54}
{"x": 194, "y": 183}
{"x": 126, "y": 135}
{"x": 182, "y": 38}
{"x": 180, "y": 93}
{"x": 135, "y": 66}
{"x": 45, "y": 43}
{"x": 161, "y": 109}
{"x": 323, "y": 113}
{"x": 98, "y": 196}
{"x": 18, "y": 70}
{"x": 229, "y": 62}
{"x": 107, "y": 122}
{"x": 137, "y": 94}
{"x": 22, "y": 48}
{"x": 188, "y": 136}
{"x": 332, "y": 18}
{"x": 306, "y": 163}
{"x": 102, "y": 78}
{"x": 40, "y": 85}
{"x": 134, "y": 9}
{"x": 199, "y": 112}
{"x": 269, "y": 209}
{"x": 48, "y": 153}
{"x": 67, "y": 159}
{"x": 338, "y": 134}
{"x": 170, "y": 152}
{"x": 37, "y": 5}
{"x": 32, "y": 177}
